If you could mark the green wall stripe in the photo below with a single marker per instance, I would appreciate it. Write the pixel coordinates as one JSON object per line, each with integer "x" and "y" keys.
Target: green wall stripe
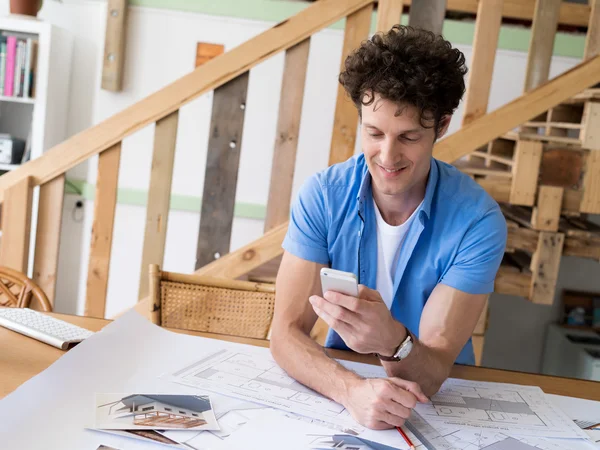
{"x": 458, "y": 32}
{"x": 139, "y": 197}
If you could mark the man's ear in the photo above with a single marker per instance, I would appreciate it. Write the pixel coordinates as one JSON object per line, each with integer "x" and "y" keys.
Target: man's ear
{"x": 443, "y": 125}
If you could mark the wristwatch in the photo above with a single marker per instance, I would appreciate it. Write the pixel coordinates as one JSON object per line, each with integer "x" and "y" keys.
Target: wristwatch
{"x": 402, "y": 351}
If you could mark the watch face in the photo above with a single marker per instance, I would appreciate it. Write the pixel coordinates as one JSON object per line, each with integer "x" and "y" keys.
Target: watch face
{"x": 404, "y": 349}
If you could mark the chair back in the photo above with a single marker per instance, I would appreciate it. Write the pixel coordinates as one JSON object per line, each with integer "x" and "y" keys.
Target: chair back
{"x": 209, "y": 304}
{"x": 17, "y": 290}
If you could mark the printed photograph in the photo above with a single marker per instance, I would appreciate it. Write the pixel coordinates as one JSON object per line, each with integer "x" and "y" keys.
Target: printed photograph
{"x": 154, "y": 412}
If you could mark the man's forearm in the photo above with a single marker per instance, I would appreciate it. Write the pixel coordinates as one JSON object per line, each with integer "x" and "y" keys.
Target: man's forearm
{"x": 424, "y": 365}
{"x": 304, "y": 360}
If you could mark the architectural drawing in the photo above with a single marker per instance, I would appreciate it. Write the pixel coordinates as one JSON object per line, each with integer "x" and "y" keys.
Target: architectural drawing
{"x": 258, "y": 378}
{"x": 504, "y": 408}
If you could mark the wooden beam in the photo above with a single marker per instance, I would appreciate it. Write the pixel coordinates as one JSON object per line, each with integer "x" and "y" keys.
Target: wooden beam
{"x": 546, "y": 215}
{"x": 389, "y": 13}
{"x": 114, "y": 45}
{"x": 249, "y": 257}
{"x": 47, "y": 239}
{"x": 206, "y": 51}
{"x": 500, "y": 121}
{"x": 207, "y": 77}
{"x": 590, "y": 202}
{"x": 345, "y": 121}
{"x": 222, "y": 165}
{"x": 16, "y": 226}
{"x": 485, "y": 41}
{"x": 159, "y": 197}
{"x": 590, "y": 133}
{"x": 427, "y": 14}
{"x": 544, "y": 266}
{"x": 584, "y": 247}
{"x": 288, "y": 130}
{"x": 522, "y": 239}
{"x": 102, "y": 231}
{"x": 528, "y": 155}
{"x": 543, "y": 31}
{"x": 592, "y": 38}
{"x": 512, "y": 283}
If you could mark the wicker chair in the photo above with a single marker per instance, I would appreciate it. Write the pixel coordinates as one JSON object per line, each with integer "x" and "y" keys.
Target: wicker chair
{"x": 17, "y": 290}
{"x": 213, "y": 305}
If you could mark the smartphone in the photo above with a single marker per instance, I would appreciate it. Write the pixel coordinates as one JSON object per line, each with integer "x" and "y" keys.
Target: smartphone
{"x": 339, "y": 281}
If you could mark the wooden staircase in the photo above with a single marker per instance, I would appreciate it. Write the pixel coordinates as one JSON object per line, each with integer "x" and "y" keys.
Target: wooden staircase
{"x": 517, "y": 153}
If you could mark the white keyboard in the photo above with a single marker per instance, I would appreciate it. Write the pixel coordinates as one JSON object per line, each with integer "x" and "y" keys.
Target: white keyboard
{"x": 52, "y": 331}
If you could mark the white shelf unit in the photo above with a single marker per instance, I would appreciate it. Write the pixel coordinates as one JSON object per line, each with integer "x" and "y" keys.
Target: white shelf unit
{"x": 44, "y": 118}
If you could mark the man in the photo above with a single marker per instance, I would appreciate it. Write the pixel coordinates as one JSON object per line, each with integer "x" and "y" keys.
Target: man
{"x": 424, "y": 240}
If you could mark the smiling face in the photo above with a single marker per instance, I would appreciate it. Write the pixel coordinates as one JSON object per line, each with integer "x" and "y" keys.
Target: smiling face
{"x": 397, "y": 148}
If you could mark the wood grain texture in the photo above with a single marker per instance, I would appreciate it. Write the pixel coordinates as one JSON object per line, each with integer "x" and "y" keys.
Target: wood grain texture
{"x": 345, "y": 120}
{"x": 114, "y": 45}
{"x": 543, "y": 31}
{"x": 16, "y": 226}
{"x": 248, "y": 257}
{"x": 590, "y": 133}
{"x": 105, "y": 203}
{"x": 206, "y": 51}
{"x": 389, "y": 13}
{"x": 546, "y": 215}
{"x": 24, "y": 358}
{"x": 500, "y": 121}
{"x": 592, "y": 38}
{"x": 207, "y": 77}
{"x": 47, "y": 240}
{"x": 427, "y": 14}
{"x": 590, "y": 202}
{"x": 222, "y": 165}
{"x": 544, "y": 266}
{"x": 512, "y": 283}
{"x": 528, "y": 155}
{"x": 288, "y": 130}
{"x": 485, "y": 41}
{"x": 561, "y": 168}
{"x": 159, "y": 197}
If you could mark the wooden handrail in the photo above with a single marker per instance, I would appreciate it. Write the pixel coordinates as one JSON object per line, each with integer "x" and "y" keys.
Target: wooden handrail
{"x": 205, "y": 78}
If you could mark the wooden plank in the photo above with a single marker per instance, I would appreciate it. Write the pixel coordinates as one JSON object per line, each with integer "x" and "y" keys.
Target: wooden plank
{"x": 345, "y": 121}
{"x": 546, "y": 215}
{"x": 159, "y": 197}
{"x": 427, "y": 14}
{"x": 288, "y": 130}
{"x": 543, "y": 31}
{"x": 389, "y": 13}
{"x": 222, "y": 164}
{"x": 478, "y": 342}
{"x": 561, "y": 167}
{"x": 485, "y": 41}
{"x": 590, "y": 133}
{"x": 16, "y": 226}
{"x": 512, "y": 283}
{"x": 500, "y": 121}
{"x": 522, "y": 239}
{"x": 206, "y": 51}
{"x": 105, "y": 203}
{"x": 209, "y": 76}
{"x": 528, "y": 155}
{"x": 590, "y": 202}
{"x": 544, "y": 266}
{"x": 249, "y": 257}
{"x": 114, "y": 45}
{"x": 584, "y": 247}
{"x": 592, "y": 38}
{"x": 47, "y": 240}
{"x": 482, "y": 323}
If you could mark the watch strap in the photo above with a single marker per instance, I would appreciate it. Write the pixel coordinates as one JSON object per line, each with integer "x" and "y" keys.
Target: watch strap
{"x": 394, "y": 358}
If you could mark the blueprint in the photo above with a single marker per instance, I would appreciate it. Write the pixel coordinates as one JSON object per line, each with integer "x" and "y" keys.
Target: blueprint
{"x": 497, "y": 407}
{"x": 258, "y": 378}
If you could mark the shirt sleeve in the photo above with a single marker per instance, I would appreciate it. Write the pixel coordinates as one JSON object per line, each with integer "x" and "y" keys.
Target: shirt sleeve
{"x": 306, "y": 237}
{"x": 479, "y": 255}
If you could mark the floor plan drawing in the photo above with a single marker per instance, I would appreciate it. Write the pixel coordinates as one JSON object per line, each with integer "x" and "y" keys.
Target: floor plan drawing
{"x": 504, "y": 408}
{"x": 258, "y": 378}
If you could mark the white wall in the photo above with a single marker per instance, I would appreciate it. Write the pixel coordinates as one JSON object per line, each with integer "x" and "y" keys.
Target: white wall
{"x": 160, "y": 48}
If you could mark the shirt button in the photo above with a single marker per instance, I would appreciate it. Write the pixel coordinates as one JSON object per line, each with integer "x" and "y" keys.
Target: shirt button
{"x": 359, "y": 232}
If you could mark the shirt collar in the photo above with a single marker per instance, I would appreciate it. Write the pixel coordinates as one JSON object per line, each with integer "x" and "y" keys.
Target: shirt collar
{"x": 365, "y": 188}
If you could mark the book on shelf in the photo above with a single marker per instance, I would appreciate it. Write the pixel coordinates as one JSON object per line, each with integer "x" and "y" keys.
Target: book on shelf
{"x": 18, "y": 64}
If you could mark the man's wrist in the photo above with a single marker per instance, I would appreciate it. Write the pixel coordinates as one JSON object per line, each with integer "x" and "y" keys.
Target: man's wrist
{"x": 345, "y": 387}
{"x": 402, "y": 335}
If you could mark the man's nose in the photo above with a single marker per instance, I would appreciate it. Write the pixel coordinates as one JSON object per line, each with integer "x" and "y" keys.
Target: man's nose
{"x": 390, "y": 151}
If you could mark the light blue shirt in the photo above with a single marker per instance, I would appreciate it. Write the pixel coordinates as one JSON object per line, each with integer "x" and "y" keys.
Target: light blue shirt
{"x": 458, "y": 237}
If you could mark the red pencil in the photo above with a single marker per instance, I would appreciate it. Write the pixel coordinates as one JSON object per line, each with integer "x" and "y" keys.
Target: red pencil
{"x": 405, "y": 437}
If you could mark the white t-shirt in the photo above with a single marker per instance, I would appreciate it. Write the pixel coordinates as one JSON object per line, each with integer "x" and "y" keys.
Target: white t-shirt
{"x": 389, "y": 243}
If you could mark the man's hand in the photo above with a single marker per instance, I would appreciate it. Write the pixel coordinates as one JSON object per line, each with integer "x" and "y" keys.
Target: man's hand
{"x": 381, "y": 403}
{"x": 364, "y": 323}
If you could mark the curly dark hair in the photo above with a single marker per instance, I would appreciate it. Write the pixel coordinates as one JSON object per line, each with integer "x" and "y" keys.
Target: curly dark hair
{"x": 407, "y": 66}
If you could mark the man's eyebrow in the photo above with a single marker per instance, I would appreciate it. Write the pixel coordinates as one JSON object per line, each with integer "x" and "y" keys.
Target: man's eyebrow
{"x": 413, "y": 130}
